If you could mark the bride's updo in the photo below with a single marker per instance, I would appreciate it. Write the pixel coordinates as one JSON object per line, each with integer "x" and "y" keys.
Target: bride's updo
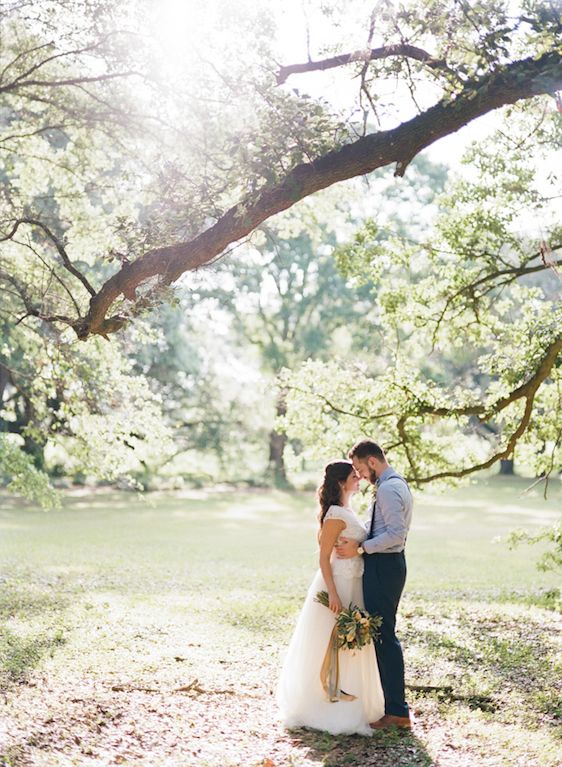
{"x": 329, "y": 492}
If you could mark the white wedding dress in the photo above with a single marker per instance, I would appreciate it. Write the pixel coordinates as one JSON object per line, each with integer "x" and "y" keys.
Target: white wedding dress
{"x": 300, "y": 695}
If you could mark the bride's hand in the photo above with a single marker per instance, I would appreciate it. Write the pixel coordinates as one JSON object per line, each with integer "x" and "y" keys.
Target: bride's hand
{"x": 335, "y": 604}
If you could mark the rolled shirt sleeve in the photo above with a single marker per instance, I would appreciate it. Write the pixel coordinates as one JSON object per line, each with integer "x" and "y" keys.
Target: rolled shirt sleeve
{"x": 393, "y": 510}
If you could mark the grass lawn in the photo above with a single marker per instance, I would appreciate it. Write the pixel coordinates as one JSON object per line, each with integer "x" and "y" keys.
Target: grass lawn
{"x": 149, "y": 631}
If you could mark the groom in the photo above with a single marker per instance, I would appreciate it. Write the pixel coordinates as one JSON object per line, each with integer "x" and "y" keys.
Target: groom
{"x": 385, "y": 570}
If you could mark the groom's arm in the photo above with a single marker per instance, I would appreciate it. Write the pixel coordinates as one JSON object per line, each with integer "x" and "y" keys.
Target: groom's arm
{"x": 349, "y": 547}
{"x": 392, "y": 508}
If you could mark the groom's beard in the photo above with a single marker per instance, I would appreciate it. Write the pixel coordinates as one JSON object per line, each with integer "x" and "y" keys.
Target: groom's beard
{"x": 372, "y": 477}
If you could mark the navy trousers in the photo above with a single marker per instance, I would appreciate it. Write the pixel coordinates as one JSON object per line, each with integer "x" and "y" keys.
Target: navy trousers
{"x": 383, "y": 583}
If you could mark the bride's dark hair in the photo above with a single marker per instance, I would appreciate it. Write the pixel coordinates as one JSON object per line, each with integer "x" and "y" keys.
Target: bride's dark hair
{"x": 329, "y": 492}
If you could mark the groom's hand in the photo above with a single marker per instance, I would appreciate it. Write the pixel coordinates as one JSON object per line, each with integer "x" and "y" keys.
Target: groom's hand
{"x": 346, "y": 548}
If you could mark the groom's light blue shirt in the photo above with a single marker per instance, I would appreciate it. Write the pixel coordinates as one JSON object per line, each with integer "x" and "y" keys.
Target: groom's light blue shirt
{"x": 393, "y": 515}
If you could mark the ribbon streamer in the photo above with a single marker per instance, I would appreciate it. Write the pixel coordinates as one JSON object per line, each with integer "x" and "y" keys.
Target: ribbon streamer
{"x": 330, "y": 671}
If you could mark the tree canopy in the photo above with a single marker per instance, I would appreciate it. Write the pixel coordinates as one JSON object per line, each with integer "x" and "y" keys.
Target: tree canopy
{"x": 132, "y": 158}
{"x": 472, "y": 319}
{"x": 250, "y": 146}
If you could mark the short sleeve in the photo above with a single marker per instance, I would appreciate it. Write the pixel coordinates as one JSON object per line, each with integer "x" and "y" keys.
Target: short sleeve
{"x": 336, "y": 512}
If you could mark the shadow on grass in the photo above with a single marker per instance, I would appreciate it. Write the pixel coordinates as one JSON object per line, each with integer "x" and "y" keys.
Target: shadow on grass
{"x": 15, "y": 756}
{"x": 500, "y": 664}
{"x": 36, "y": 629}
{"x": 548, "y": 599}
{"x": 23, "y": 601}
{"x": 388, "y": 748}
{"x": 18, "y": 655}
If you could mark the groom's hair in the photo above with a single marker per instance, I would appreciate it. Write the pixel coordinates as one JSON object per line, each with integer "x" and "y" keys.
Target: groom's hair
{"x": 366, "y": 448}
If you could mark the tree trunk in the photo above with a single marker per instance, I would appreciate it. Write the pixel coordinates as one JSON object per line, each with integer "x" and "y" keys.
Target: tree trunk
{"x": 31, "y": 445}
{"x": 506, "y": 467}
{"x": 277, "y": 442}
{"x": 4, "y": 381}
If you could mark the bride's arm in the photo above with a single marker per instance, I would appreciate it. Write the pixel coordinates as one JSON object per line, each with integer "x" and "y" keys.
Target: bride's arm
{"x": 331, "y": 528}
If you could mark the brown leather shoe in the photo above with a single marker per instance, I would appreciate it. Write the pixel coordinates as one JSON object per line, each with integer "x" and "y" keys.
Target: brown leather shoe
{"x": 388, "y": 720}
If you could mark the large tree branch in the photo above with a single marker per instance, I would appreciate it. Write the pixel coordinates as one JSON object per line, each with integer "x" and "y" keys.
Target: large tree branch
{"x": 23, "y": 79}
{"x": 512, "y": 272}
{"x": 22, "y": 55}
{"x": 334, "y": 409}
{"x": 492, "y": 281}
{"x": 44, "y": 129}
{"x": 68, "y": 81}
{"x": 527, "y": 390}
{"x": 31, "y": 308}
{"x": 373, "y": 54}
{"x": 37, "y": 65}
{"x": 502, "y": 454}
{"x": 69, "y": 266}
{"x": 518, "y": 80}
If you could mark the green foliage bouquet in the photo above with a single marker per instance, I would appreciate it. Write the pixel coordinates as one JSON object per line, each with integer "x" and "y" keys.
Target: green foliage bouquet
{"x": 354, "y": 627}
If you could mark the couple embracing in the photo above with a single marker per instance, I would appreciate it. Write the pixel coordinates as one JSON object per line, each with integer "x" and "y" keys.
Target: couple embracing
{"x": 363, "y": 565}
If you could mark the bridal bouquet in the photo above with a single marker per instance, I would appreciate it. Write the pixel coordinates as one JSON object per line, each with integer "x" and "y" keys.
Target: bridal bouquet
{"x": 354, "y": 627}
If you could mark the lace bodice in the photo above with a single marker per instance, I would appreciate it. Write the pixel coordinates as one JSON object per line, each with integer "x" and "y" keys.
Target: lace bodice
{"x": 354, "y": 528}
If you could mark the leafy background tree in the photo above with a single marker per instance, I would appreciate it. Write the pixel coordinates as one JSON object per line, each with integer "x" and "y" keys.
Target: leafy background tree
{"x": 480, "y": 281}
{"x": 127, "y": 168}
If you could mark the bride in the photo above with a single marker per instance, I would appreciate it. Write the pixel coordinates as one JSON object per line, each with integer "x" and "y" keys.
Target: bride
{"x": 300, "y": 694}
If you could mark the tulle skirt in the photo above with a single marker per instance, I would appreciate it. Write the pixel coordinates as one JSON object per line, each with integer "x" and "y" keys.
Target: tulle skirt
{"x": 300, "y": 695}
